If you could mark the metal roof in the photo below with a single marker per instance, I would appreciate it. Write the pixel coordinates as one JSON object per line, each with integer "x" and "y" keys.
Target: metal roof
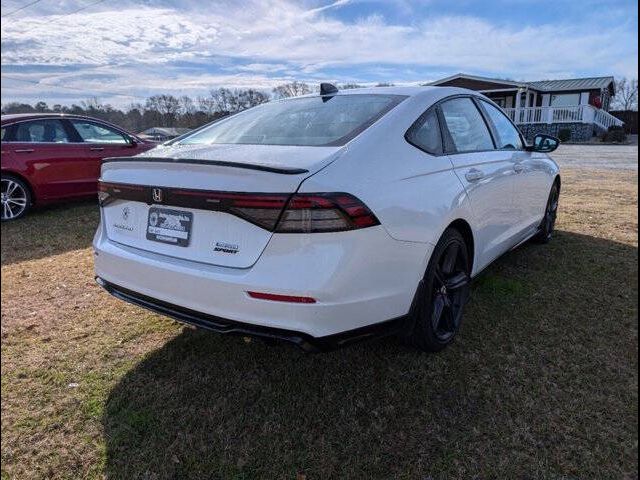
{"x": 572, "y": 84}
{"x": 590, "y": 83}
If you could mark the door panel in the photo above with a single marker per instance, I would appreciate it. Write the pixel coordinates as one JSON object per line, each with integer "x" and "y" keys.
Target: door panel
{"x": 488, "y": 178}
{"x": 99, "y": 141}
{"x": 508, "y": 139}
{"x": 532, "y": 190}
{"x": 94, "y": 154}
{"x": 52, "y": 167}
{"x": 49, "y": 157}
{"x": 487, "y": 175}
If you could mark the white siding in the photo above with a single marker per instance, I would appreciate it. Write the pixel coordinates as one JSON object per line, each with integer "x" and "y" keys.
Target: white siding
{"x": 584, "y": 98}
{"x": 546, "y": 99}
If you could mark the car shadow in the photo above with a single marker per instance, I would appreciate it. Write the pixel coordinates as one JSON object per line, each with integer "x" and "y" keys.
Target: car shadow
{"x": 50, "y": 230}
{"x": 210, "y": 406}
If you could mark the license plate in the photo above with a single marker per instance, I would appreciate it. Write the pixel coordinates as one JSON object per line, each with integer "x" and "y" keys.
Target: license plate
{"x": 169, "y": 226}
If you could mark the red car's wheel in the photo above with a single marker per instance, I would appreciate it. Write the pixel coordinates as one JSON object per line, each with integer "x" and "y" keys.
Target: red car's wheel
{"x": 16, "y": 198}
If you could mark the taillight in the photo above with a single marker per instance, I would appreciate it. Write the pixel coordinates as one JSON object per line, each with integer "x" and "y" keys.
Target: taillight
{"x": 324, "y": 212}
{"x": 283, "y": 212}
{"x": 108, "y": 192}
{"x": 276, "y": 212}
{"x": 262, "y": 209}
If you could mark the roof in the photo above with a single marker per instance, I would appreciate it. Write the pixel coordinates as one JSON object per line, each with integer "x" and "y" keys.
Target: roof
{"x": 591, "y": 83}
{"x": 480, "y": 79}
{"x": 15, "y": 116}
{"x": 395, "y": 90}
{"x": 587, "y": 83}
{"x": 11, "y": 117}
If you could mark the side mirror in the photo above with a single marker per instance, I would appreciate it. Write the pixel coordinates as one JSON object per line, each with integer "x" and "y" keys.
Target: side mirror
{"x": 131, "y": 142}
{"x": 544, "y": 143}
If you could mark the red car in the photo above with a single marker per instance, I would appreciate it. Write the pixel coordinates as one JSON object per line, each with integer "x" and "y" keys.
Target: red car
{"x": 50, "y": 157}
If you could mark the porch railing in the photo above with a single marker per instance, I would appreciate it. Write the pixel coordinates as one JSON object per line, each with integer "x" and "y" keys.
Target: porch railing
{"x": 605, "y": 119}
{"x": 573, "y": 114}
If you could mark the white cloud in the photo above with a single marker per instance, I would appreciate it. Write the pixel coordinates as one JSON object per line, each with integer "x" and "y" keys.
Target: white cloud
{"x": 259, "y": 43}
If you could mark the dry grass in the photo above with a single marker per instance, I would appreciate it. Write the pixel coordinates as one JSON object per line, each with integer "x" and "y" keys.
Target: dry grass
{"x": 542, "y": 382}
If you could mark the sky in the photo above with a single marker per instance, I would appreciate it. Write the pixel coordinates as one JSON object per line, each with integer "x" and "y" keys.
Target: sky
{"x": 122, "y": 51}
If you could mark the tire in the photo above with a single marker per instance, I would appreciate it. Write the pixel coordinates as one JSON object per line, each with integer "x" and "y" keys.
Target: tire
{"x": 443, "y": 294}
{"x": 16, "y": 198}
{"x": 548, "y": 223}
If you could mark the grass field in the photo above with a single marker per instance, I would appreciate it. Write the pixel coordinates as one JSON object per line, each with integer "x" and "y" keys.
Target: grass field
{"x": 541, "y": 383}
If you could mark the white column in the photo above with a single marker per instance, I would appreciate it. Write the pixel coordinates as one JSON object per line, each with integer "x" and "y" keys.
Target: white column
{"x": 517, "y": 107}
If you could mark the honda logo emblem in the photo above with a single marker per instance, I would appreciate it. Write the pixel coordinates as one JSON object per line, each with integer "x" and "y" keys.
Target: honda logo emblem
{"x": 157, "y": 195}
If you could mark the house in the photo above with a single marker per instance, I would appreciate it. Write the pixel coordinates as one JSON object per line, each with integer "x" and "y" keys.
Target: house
{"x": 579, "y": 105}
{"x": 162, "y": 134}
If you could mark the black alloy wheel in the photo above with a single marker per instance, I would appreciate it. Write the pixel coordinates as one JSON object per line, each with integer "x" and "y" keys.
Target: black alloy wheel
{"x": 444, "y": 294}
{"x": 550, "y": 215}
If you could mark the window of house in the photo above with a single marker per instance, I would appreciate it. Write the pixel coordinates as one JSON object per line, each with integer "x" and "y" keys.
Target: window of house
{"x": 466, "y": 126}
{"x": 41, "y": 131}
{"x": 425, "y": 133}
{"x": 565, "y": 100}
{"x": 508, "y": 136}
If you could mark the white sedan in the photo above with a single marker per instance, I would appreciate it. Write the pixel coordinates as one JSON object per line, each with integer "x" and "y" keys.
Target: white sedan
{"x": 326, "y": 219}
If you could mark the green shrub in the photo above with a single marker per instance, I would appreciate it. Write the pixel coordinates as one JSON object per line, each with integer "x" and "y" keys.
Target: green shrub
{"x": 564, "y": 134}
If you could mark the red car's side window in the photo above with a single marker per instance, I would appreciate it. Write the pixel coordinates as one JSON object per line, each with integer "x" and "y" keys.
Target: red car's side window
{"x": 93, "y": 133}
{"x": 41, "y": 131}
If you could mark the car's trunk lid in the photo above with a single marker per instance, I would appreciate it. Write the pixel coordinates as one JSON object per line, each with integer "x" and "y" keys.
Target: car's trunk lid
{"x": 167, "y": 200}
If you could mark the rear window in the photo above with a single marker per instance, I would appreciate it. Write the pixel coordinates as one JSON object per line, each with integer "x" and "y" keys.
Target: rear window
{"x": 308, "y": 121}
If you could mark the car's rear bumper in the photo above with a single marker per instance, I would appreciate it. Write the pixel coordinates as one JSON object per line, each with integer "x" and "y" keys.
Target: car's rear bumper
{"x": 303, "y": 340}
{"x": 358, "y": 279}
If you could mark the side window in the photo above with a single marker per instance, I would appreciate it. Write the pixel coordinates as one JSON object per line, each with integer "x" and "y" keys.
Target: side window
{"x": 93, "y": 133}
{"x": 508, "y": 136}
{"x": 465, "y": 125}
{"x": 425, "y": 133}
{"x": 41, "y": 131}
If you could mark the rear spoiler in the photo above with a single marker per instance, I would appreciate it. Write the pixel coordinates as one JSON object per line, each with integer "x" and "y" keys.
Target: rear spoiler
{"x": 218, "y": 163}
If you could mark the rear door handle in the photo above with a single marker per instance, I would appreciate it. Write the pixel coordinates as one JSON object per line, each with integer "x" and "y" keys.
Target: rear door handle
{"x": 96, "y": 149}
{"x": 518, "y": 167}
{"x": 24, "y": 150}
{"x": 474, "y": 175}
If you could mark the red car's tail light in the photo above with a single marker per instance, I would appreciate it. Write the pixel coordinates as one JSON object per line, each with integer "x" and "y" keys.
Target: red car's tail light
{"x": 276, "y": 212}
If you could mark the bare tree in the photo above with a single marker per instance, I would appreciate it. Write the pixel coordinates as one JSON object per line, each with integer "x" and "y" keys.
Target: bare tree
{"x": 292, "y": 89}
{"x": 385, "y": 84}
{"x": 207, "y": 105}
{"x": 224, "y": 100}
{"x": 158, "y": 110}
{"x": 626, "y": 97}
{"x": 167, "y": 106}
{"x": 41, "y": 107}
{"x": 347, "y": 86}
{"x": 187, "y": 105}
{"x": 250, "y": 98}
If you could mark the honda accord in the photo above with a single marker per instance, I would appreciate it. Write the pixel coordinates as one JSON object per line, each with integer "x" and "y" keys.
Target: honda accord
{"x": 328, "y": 218}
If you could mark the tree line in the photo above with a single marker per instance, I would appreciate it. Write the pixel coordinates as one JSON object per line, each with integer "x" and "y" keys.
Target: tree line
{"x": 187, "y": 112}
{"x": 172, "y": 111}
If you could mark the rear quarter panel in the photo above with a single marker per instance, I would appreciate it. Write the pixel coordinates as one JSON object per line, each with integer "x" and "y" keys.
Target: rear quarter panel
{"x": 414, "y": 195}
